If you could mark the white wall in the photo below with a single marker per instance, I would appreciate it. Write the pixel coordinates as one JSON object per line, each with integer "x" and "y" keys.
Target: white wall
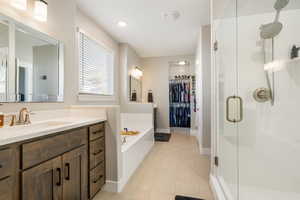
{"x": 129, "y": 59}
{"x": 156, "y": 78}
{"x": 203, "y": 84}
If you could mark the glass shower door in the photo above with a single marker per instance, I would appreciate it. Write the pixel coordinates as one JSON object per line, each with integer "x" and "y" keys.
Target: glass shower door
{"x": 225, "y": 53}
{"x": 269, "y": 137}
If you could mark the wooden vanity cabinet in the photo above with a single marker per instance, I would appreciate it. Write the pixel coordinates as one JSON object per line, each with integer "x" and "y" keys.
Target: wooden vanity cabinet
{"x": 43, "y": 181}
{"x": 56, "y": 167}
{"x": 75, "y": 180}
{"x": 64, "y": 177}
{"x": 6, "y": 189}
{"x": 96, "y": 159}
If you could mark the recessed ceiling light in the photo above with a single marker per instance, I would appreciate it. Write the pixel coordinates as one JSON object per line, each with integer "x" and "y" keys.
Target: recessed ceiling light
{"x": 122, "y": 24}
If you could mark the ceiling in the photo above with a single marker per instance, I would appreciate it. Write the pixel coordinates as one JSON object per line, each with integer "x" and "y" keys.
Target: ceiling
{"x": 148, "y": 32}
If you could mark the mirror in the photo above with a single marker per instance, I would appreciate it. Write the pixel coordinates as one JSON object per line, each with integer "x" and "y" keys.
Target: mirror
{"x": 32, "y": 64}
{"x": 135, "y": 89}
{"x": 3, "y": 61}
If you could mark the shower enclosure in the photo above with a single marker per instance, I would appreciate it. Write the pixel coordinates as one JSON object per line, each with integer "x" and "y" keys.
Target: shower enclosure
{"x": 256, "y": 108}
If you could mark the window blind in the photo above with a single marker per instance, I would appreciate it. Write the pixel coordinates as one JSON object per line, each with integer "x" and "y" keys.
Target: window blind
{"x": 96, "y": 67}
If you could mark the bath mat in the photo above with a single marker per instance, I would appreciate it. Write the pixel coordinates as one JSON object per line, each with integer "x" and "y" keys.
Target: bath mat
{"x": 162, "y": 137}
{"x": 186, "y": 198}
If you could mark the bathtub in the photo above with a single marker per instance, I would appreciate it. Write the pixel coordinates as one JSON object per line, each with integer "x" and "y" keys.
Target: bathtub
{"x": 136, "y": 147}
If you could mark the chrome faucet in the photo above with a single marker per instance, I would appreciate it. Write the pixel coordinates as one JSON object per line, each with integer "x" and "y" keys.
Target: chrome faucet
{"x": 24, "y": 120}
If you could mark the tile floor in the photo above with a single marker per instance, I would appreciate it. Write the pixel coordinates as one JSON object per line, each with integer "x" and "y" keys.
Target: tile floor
{"x": 173, "y": 168}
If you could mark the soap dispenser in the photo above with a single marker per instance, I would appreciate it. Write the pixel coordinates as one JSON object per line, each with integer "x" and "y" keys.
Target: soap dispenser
{"x": 1, "y": 119}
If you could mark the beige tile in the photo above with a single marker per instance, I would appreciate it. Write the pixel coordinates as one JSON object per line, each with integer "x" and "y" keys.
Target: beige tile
{"x": 170, "y": 169}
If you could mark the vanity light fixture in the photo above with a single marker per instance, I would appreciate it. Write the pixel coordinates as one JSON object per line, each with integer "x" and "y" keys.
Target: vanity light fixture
{"x": 137, "y": 73}
{"x": 122, "y": 24}
{"x": 19, "y": 4}
{"x": 182, "y": 63}
{"x": 40, "y": 10}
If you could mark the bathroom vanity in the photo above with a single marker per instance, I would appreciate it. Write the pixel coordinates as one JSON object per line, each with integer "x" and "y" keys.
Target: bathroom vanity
{"x": 62, "y": 165}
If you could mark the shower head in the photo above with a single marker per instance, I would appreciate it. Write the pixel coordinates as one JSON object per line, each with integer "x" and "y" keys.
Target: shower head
{"x": 280, "y": 4}
{"x": 270, "y": 30}
{"x": 273, "y": 29}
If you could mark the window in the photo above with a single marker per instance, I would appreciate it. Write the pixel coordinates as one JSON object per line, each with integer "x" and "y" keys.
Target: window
{"x": 96, "y": 68}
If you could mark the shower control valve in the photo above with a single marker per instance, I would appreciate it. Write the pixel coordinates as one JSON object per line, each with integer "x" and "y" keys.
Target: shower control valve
{"x": 262, "y": 95}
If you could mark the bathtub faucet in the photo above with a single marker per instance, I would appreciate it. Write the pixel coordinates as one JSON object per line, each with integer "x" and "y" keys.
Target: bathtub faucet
{"x": 124, "y": 140}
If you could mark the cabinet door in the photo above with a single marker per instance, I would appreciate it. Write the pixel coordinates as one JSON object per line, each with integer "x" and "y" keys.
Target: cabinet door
{"x": 75, "y": 174}
{"x": 43, "y": 181}
{"x": 6, "y": 189}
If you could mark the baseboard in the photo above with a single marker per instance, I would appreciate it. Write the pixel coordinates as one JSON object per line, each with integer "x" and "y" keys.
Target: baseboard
{"x": 216, "y": 188}
{"x": 111, "y": 186}
{"x": 114, "y": 186}
{"x": 163, "y": 130}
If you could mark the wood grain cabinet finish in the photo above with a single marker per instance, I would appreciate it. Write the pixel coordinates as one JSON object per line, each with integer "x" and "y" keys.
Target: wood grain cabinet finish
{"x": 39, "y": 151}
{"x": 6, "y": 189}
{"x": 75, "y": 180}
{"x": 97, "y": 159}
{"x": 43, "y": 182}
{"x": 97, "y": 152}
{"x": 97, "y": 179}
{"x": 55, "y": 167}
{"x": 6, "y": 163}
{"x": 96, "y": 131}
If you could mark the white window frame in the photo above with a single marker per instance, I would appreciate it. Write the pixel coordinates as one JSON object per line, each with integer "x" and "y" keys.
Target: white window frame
{"x": 95, "y": 97}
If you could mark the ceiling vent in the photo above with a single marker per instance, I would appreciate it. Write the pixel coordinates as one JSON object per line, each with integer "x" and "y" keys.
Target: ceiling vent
{"x": 171, "y": 16}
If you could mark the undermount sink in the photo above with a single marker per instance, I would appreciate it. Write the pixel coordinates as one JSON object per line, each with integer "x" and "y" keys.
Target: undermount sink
{"x": 55, "y": 123}
{"x": 50, "y": 124}
{"x": 46, "y": 124}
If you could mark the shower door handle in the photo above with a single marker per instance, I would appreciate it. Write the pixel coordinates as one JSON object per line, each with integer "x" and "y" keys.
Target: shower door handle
{"x": 241, "y": 111}
{"x": 228, "y": 100}
{"x": 236, "y": 100}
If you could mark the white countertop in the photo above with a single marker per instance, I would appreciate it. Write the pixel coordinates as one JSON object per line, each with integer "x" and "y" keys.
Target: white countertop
{"x": 9, "y": 135}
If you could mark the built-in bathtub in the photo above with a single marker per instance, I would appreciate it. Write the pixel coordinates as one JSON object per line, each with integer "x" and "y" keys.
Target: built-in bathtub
{"x": 135, "y": 148}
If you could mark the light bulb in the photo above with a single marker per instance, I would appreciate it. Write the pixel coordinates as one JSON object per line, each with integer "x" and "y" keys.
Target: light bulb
{"x": 41, "y": 10}
{"x": 181, "y": 63}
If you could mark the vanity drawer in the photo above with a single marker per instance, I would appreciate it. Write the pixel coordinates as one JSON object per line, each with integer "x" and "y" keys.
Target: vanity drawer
{"x": 6, "y": 189}
{"x": 42, "y": 150}
{"x": 97, "y": 179}
{"x": 96, "y": 159}
{"x": 97, "y": 152}
{"x": 97, "y": 146}
{"x": 6, "y": 162}
{"x": 97, "y": 131}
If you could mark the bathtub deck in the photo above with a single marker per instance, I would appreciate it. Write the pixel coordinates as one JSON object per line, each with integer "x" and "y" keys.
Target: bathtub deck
{"x": 173, "y": 168}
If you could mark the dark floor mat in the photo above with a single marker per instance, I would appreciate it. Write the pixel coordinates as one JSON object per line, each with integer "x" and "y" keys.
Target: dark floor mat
{"x": 162, "y": 137}
{"x": 186, "y": 198}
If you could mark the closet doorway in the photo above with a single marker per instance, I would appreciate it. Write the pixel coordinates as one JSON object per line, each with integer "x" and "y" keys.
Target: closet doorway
{"x": 181, "y": 96}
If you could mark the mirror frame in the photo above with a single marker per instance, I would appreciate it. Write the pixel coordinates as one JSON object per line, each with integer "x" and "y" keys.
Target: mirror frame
{"x": 130, "y": 81}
